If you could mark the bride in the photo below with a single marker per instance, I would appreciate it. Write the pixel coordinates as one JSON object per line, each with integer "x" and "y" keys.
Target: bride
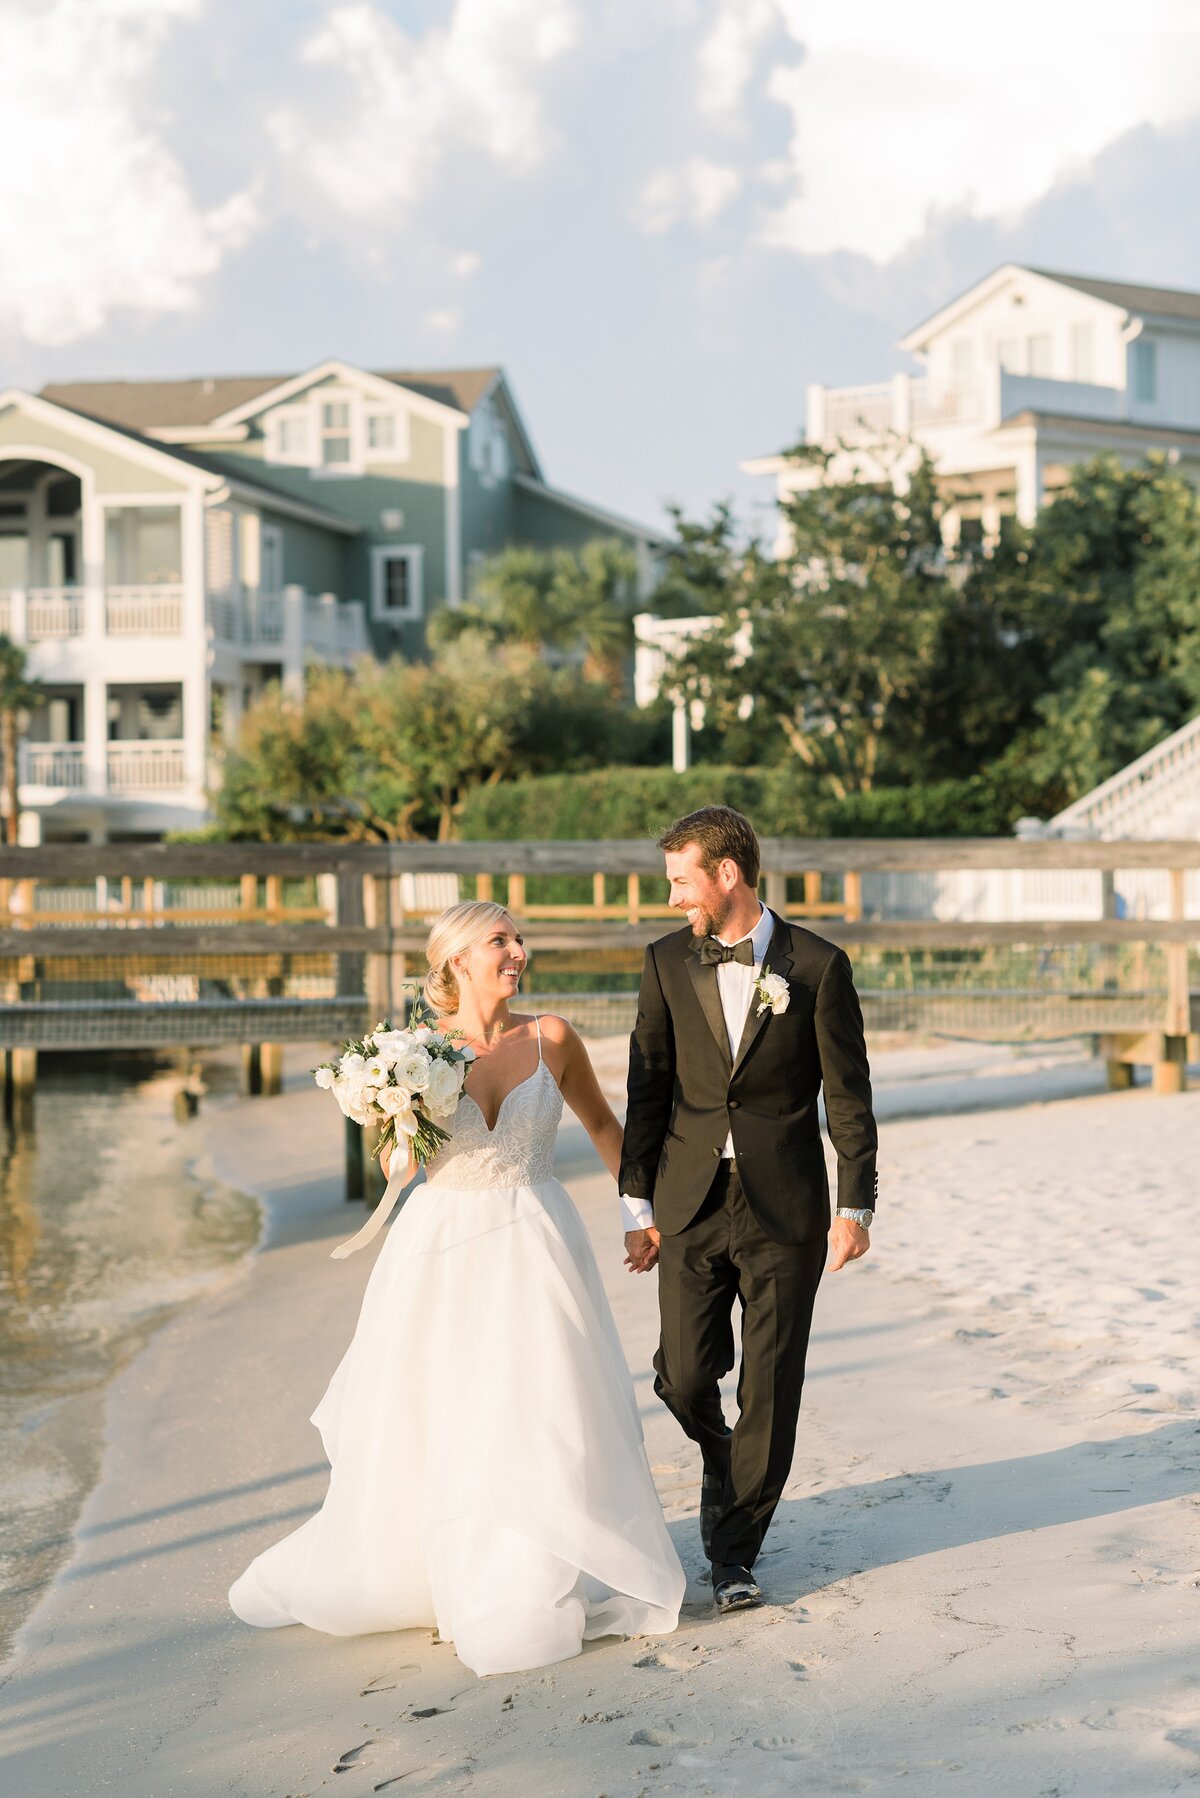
{"x": 488, "y": 1471}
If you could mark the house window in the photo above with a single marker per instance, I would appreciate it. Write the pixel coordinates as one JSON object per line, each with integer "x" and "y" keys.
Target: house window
{"x": 1145, "y": 369}
{"x": 1041, "y": 354}
{"x": 381, "y": 431}
{"x": 1083, "y": 366}
{"x": 291, "y": 439}
{"x": 396, "y": 586}
{"x": 335, "y": 434}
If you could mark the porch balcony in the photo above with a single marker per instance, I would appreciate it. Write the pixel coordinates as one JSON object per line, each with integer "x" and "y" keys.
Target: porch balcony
{"x": 307, "y": 624}
{"x": 155, "y": 767}
{"x": 910, "y": 405}
{"x": 45, "y": 614}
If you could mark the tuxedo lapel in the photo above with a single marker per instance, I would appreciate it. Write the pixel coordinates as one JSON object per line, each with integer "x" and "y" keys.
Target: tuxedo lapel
{"x": 704, "y": 979}
{"x": 777, "y": 960}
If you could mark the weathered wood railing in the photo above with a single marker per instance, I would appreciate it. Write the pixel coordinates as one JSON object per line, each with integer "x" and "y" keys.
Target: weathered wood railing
{"x": 363, "y": 916}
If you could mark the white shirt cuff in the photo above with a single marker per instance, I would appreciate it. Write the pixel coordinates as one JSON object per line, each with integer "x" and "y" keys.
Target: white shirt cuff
{"x": 636, "y": 1214}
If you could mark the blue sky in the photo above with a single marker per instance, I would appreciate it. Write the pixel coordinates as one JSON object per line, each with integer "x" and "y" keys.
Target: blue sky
{"x": 663, "y": 219}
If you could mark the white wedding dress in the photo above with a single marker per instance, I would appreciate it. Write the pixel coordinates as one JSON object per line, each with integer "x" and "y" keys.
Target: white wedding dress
{"x": 488, "y": 1470}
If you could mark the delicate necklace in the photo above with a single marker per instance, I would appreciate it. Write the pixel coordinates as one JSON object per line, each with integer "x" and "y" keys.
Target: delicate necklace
{"x": 483, "y": 1037}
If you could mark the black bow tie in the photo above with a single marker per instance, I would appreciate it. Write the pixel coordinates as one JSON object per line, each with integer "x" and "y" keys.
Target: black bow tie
{"x": 713, "y": 953}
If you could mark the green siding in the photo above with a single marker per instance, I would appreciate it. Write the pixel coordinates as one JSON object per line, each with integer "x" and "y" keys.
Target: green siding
{"x": 113, "y": 472}
{"x": 548, "y": 523}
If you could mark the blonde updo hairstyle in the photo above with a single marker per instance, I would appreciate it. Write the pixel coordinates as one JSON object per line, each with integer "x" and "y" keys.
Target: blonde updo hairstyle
{"x": 458, "y": 930}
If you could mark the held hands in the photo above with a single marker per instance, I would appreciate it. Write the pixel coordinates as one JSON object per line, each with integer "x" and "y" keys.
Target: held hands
{"x": 847, "y": 1242}
{"x": 641, "y": 1250}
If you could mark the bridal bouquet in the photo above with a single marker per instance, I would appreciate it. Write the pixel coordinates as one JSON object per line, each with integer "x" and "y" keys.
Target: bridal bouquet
{"x": 407, "y": 1081}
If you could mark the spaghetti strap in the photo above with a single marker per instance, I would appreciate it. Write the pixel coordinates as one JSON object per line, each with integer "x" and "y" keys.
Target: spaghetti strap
{"x": 538, "y": 1023}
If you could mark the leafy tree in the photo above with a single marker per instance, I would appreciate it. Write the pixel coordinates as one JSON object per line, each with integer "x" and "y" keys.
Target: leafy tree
{"x": 703, "y": 567}
{"x": 392, "y": 752}
{"x": 834, "y": 639}
{"x": 556, "y": 600}
{"x": 19, "y": 693}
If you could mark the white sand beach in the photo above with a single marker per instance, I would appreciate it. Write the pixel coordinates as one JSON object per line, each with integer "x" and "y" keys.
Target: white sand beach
{"x": 984, "y": 1577}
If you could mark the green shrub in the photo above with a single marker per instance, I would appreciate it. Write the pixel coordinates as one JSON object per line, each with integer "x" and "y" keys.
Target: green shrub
{"x": 640, "y": 802}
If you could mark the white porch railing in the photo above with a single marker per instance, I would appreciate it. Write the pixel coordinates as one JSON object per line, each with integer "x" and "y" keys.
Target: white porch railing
{"x": 46, "y": 614}
{"x": 146, "y": 766}
{"x": 143, "y": 611}
{"x": 323, "y": 626}
{"x": 53, "y": 765}
{"x": 858, "y": 411}
{"x": 55, "y": 612}
{"x": 1138, "y": 801}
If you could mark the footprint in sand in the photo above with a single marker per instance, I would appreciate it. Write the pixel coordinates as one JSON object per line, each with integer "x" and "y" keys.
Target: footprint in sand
{"x": 674, "y": 1660}
{"x": 787, "y": 1747}
{"x": 364, "y": 1754}
{"x": 387, "y": 1682}
{"x": 433, "y": 1773}
{"x": 664, "y": 1737}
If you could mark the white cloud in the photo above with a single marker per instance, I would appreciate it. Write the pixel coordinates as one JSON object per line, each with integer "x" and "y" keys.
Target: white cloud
{"x": 97, "y": 212}
{"x": 467, "y": 263}
{"x": 727, "y": 53}
{"x": 474, "y": 83}
{"x": 695, "y": 193}
{"x": 444, "y": 319}
{"x": 899, "y": 113}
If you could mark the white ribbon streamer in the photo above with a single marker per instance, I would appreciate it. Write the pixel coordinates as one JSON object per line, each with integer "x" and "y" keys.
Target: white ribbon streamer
{"x": 379, "y": 1217}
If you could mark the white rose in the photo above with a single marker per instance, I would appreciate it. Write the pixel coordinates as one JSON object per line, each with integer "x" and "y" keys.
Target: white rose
{"x": 341, "y": 1092}
{"x": 392, "y": 1043}
{"x": 413, "y": 1070}
{"x": 394, "y": 1102}
{"x": 325, "y": 1078}
{"x": 352, "y": 1063}
{"x": 773, "y": 991}
{"x": 422, "y": 1033}
{"x": 443, "y": 1088}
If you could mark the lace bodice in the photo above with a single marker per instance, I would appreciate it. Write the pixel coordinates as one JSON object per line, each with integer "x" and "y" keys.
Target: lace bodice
{"x": 519, "y": 1151}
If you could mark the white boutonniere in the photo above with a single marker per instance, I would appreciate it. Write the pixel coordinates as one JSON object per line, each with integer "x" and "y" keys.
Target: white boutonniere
{"x": 773, "y": 994}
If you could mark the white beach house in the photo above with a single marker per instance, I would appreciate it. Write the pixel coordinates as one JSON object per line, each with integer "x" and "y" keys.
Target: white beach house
{"x": 1024, "y": 374}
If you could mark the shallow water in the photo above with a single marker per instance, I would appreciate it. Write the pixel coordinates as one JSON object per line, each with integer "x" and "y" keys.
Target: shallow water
{"x": 106, "y": 1229}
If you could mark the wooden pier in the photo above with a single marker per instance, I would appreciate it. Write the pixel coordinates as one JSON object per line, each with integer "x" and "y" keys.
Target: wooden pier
{"x": 124, "y": 946}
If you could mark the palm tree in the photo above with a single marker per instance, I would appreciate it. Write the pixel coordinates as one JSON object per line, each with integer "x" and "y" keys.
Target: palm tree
{"x": 596, "y": 590}
{"x": 18, "y": 694}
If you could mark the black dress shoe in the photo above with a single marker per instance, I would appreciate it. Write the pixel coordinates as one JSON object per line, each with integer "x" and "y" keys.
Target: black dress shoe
{"x": 735, "y": 1588}
{"x": 712, "y": 1503}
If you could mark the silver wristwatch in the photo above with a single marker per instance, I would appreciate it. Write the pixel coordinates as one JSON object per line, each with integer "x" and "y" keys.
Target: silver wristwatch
{"x": 864, "y": 1217}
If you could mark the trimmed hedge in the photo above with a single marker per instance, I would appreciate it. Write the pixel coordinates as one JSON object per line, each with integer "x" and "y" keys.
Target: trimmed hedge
{"x": 641, "y": 802}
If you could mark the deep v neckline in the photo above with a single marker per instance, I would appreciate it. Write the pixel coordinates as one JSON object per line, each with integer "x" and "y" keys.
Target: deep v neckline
{"x": 491, "y": 1129}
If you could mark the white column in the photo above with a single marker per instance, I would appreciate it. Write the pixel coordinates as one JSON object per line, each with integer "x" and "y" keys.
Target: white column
{"x": 902, "y": 404}
{"x": 95, "y": 733}
{"x": 814, "y": 415}
{"x": 293, "y": 642}
{"x": 681, "y": 737}
{"x": 1029, "y": 486}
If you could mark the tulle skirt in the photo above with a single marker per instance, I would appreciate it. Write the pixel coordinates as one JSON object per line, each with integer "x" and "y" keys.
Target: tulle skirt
{"x": 488, "y": 1475}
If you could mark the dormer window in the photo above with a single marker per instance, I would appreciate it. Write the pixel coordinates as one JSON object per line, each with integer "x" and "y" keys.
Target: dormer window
{"x": 381, "y": 431}
{"x": 335, "y": 434}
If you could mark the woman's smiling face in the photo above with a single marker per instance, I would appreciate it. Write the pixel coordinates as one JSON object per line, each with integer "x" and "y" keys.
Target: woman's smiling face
{"x": 492, "y": 967}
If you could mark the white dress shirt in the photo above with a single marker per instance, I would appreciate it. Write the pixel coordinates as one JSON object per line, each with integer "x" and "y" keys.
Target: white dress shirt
{"x": 735, "y": 983}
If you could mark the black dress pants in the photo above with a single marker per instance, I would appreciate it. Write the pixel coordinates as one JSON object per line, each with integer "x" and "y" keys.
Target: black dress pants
{"x": 724, "y": 1256}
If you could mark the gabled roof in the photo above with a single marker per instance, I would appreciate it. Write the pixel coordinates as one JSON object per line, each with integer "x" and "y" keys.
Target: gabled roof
{"x": 1162, "y": 302}
{"x": 173, "y": 405}
{"x": 220, "y": 471}
{"x": 1157, "y": 302}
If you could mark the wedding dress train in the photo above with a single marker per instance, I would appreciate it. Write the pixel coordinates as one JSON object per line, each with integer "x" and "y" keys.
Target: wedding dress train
{"x": 488, "y": 1474}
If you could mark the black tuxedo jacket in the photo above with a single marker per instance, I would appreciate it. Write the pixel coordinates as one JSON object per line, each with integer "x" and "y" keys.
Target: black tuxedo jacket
{"x": 687, "y": 1094}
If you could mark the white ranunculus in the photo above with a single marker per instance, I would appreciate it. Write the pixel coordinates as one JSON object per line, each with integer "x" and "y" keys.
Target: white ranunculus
{"x": 772, "y": 990}
{"x": 413, "y": 1069}
{"x": 444, "y": 1086}
{"x": 325, "y": 1078}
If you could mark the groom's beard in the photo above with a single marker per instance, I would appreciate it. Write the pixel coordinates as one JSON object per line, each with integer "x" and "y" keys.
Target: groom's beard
{"x": 712, "y": 917}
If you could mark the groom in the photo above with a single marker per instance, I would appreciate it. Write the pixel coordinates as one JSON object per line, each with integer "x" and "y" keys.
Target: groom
{"x": 742, "y": 1019}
